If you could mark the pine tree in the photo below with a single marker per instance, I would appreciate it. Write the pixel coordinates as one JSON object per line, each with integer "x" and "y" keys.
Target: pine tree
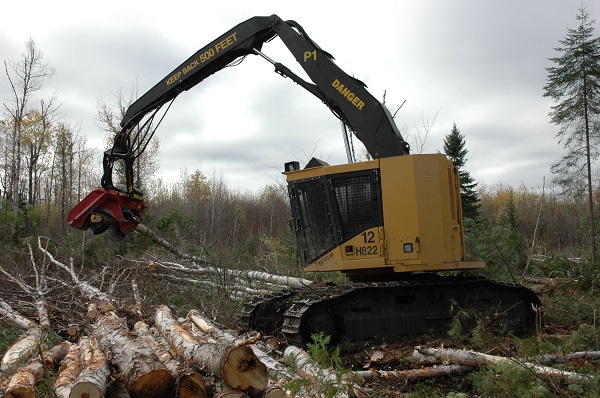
{"x": 455, "y": 149}
{"x": 574, "y": 84}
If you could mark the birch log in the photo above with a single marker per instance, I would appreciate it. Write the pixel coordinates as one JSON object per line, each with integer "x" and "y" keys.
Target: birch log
{"x": 68, "y": 373}
{"x": 238, "y": 367}
{"x": 276, "y": 370}
{"x": 20, "y": 352}
{"x": 22, "y": 383}
{"x": 190, "y": 384}
{"x": 143, "y": 374}
{"x": 92, "y": 381}
{"x": 473, "y": 358}
{"x": 14, "y": 317}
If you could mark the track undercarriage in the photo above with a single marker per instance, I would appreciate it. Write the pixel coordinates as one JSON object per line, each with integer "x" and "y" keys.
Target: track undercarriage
{"x": 396, "y": 310}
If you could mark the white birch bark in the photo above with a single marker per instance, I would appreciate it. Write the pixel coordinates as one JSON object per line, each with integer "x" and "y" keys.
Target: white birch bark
{"x": 238, "y": 367}
{"x": 474, "y": 358}
{"x": 277, "y": 371}
{"x": 12, "y": 316}
{"x": 20, "y": 352}
{"x": 143, "y": 374}
{"x": 22, "y": 384}
{"x": 68, "y": 373}
{"x": 92, "y": 381}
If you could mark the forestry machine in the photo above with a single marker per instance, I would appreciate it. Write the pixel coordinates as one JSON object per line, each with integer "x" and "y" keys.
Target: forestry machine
{"x": 386, "y": 223}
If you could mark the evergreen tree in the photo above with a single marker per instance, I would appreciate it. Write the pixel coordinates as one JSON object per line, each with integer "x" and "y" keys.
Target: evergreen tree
{"x": 574, "y": 84}
{"x": 455, "y": 149}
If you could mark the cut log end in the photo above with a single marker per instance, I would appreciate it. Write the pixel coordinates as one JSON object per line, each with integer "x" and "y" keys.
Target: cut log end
{"x": 155, "y": 384}
{"x": 85, "y": 390}
{"x": 242, "y": 370}
{"x": 191, "y": 385}
{"x": 21, "y": 392}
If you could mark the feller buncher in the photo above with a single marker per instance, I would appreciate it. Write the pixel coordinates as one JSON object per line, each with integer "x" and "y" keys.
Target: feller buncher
{"x": 391, "y": 224}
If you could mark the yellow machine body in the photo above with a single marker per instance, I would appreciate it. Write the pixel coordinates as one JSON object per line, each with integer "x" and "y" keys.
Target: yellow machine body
{"x": 385, "y": 216}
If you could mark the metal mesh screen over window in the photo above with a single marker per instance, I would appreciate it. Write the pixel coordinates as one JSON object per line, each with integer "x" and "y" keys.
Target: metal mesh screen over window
{"x": 312, "y": 204}
{"x": 355, "y": 203}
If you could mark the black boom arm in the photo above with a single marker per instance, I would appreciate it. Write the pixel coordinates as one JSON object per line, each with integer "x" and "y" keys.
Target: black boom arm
{"x": 346, "y": 96}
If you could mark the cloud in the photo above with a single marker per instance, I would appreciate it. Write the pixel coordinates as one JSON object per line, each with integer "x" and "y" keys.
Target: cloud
{"x": 478, "y": 64}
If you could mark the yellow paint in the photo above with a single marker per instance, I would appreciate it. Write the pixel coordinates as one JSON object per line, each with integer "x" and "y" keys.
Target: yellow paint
{"x": 349, "y": 95}
{"x": 422, "y": 228}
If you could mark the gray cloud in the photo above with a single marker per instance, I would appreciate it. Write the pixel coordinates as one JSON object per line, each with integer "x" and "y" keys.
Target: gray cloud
{"x": 477, "y": 64}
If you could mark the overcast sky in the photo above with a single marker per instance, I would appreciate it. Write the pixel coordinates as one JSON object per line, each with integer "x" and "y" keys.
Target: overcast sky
{"x": 479, "y": 64}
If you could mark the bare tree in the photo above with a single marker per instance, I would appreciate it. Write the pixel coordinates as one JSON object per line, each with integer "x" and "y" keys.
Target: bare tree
{"x": 36, "y": 138}
{"x": 109, "y": 118}
{"x": 26, "y": 76}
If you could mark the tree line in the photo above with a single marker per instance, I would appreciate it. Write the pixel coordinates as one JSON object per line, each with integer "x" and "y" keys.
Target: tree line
{"x": 46, "y": 167}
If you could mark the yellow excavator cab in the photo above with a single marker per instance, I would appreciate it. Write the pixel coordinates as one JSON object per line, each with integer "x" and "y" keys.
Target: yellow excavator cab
{"x": 339, "y": 212}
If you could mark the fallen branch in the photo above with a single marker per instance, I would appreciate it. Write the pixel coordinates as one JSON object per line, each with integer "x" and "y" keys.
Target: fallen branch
{"x": 88, "y": 291}
{"x": 255, "y": 275}
{"x": 550, "y": 358}
{"x": 310, "y": 370}
{"x": 464, "y": 357}
{"x": 12, "y": 316}
{"x": 413, "y": 374}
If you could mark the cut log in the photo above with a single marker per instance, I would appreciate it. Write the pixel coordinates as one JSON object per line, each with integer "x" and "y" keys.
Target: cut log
{"x": 68, "y": 373}
{"x": 143, "y": 374}
{"x": 92, "y": 311}
{"x": 161, "y": 350}
{"x": 22, "y": 383}
{"x": 276, "y": 370}
{"x": 474, "y": 358}
{"x": 237, "y": 366}
{"x": 92, "y": 381}
{"x": 73, "y": 331}
{"x": 20, "y": 352}
{"x": 190, "y": 384}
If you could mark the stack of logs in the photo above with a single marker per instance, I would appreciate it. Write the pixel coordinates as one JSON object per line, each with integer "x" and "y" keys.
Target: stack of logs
{"x": 166, "y": 359}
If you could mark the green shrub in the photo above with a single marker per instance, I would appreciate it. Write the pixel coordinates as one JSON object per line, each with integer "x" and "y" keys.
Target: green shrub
{"x": 510, "y": 381}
